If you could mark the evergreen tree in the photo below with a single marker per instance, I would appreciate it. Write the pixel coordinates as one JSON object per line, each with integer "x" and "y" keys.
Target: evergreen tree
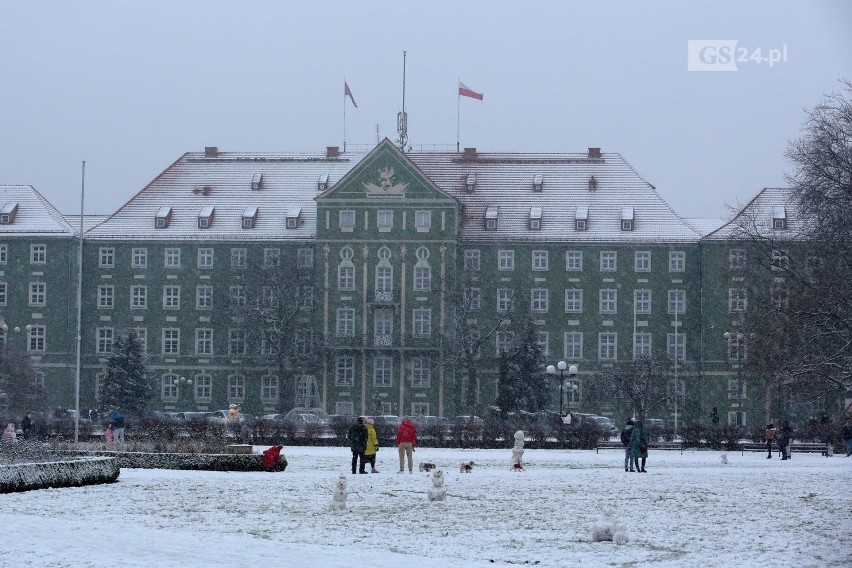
{"x": 20, "y": 391}
{"x": 523, "y": 383}
{"x": 507, "y": 395}
{"x": 127, "y": 387}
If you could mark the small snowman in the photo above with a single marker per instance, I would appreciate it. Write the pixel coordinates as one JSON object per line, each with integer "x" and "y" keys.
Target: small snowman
{"x": 437, "y": 492}
{"x": 518, "y": 452}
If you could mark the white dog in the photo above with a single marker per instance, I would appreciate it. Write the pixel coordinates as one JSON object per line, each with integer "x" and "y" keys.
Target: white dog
{"x": 437, "y": 492}
{"x": 466, "y": 467}
{"x": 338, "y": 500}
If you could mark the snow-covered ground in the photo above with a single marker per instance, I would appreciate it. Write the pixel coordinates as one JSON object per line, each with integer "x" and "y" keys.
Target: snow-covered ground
{"x": 688, "y": 510}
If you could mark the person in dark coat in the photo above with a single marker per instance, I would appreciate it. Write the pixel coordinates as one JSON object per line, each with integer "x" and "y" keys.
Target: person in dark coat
{"x": 769, "y": 436}
{"x": 625, "y": 441}
{"x": 639, "y": 446}
{"x": 714, "y": 416}
{"x": 27, "y": 426}
{"x": 783, "y": 436}
{"x": 357, "y": 437}
{"x": 118, "y": 425}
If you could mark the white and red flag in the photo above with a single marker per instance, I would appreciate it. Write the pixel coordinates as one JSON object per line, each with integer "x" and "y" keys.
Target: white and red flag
{"x": 465, "y": 91}
{"x": 348, "y": 93}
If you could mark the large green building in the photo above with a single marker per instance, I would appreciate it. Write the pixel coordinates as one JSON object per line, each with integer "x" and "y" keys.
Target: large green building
{"x": 384, "y": 256}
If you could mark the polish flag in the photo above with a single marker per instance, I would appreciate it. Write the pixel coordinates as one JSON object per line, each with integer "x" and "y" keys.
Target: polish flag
{"x": 464, "y": 91}
{"x": 348, "y": 93}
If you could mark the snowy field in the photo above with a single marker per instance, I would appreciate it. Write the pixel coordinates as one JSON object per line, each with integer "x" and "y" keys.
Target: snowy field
{"x": 688, "y": 510}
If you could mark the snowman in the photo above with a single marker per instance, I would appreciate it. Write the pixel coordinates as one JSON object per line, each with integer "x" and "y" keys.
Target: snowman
{"x": 518, "y": 452}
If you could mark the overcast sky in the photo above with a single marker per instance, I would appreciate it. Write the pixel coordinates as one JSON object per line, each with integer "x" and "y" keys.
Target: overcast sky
{"x": 130, "y": 86}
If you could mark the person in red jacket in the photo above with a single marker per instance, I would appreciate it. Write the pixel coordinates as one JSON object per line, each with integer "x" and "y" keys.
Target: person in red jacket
{"x": 406, "y": 442}
{"x": 274, "y": 460}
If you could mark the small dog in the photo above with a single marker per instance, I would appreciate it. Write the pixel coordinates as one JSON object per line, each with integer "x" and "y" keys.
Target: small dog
{"x": 424, "y": 466}
{"x": 519, "y": 466}
{"x": 437, "y": 492}
{"x": 724, "y": 459}
{"x": 466, "y": 467}
{"x": 338, "y": 500}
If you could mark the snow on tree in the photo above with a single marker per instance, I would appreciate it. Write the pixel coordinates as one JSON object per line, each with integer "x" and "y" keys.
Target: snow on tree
{"x": 128, "y": 386}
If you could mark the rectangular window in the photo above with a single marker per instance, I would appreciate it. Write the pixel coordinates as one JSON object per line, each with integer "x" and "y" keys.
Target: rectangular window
{"x": 422, "y": 278}
{"x": 106, "y": 297}
{"x": 422, "y": 323}
{"x": 422, "y": 221}
{"x": 205, "y": 258}
{"x": 203, "y": 388}
{"x": 38, "y": 294}
{"x": 736, "y": 300}
{"x": 382, "y": 371}
{"x": 503, "y": 341}
{"x": 737, "y": 389}
{"x": 204, "y": 342}
{"x": 346, "y": 220}
{"x": 204, "y": 297}
{"x": 573, "y": 301}
{"x": 676, "y": 346}
{"x": 236, "y": 342}
{"x": 271, "y": 257}
{"x": 305, "y": 297}
{"x": 641, "y": 345}
{"x": 4, "y": 287}
{"x": 384, "y": 220}
{"x": 171, "y": 297}
{"x": 139, "y": 258}
{"x": 539, "y": 260}
{"x": 538, "y": 299}
{"x": 474, "y": 299}
{"x": 383, "y": 326}
{"x": 542, "y": 339}
{"x": 641, "y": 301}
{"x": 236, "y": 388}
{"x": 345, "y": 372}
{"x": 269, "y": 342}
{"x": 420, "y": 372}
{"x": 642, "y": 261}
{"x": 608, "y": 260}
{"x": 780, "y": 260}
{"x": 171, "y": 341}
{"x": 37, "y": 339}
{"x": 237, "y": 296}
{"x": 505, "y": 260}
{"x": 138, "y": 297}
{"x": 346, "y": 277}
{"x": 677, "y": 261}
{"x": 169, "y": 387}
{"x": 305, "y": 258}
{"x": 38, "y": 254}
{"x": 269, "y": 297}
{"x": 345, "y": 322}
{"x": 607, "y": 343}
{"x": 737, "y": 259}
{"x": 104, "y": 340}
{"x": 574, "y": 260}
{"x": 142, "y": 337}
{"x": 269, "y": 389}
{"x": 172, "y": 258}
{"x": 608, "y": 301}
{"x": 504, "y": 299}
{"x": 4, "y": 251}
{"x": 106, "y": 257}
{"x": 677, "y": 302}
{"x": 304, "y": 343}
{"x": 736, "y": 348}
{"x": 238, "y": 258}
{"x": 471, "y": 259}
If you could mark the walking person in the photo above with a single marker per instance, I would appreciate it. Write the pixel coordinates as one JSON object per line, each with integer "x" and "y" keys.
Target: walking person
{"x": 625, "y": 441}
{"x": 109, "y": 435}
{"x": 638, "y": 447}
{"x": 117, "y": 426}
{"x": 406, "y": 443}
{"x": 357, "y": 437}
{"x": 93, "y": 415}
{"x": 372, "y": 445}
{"x": 9, "y": 434}
{"x": 769, "y": 436}
{"x": 27, "y": 426}
{"x": 783, "y": 437}
{"x": 714, "y": 416}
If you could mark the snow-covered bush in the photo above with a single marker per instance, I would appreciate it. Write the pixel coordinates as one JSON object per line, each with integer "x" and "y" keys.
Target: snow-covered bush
{"x": 70, "y": 473}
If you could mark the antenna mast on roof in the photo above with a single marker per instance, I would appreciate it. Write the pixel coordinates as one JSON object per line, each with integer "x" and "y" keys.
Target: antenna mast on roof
{"x": 402, "y": 117}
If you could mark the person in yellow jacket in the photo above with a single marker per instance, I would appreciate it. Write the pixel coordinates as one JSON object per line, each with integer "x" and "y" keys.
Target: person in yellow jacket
{"x": 372, "y": 445}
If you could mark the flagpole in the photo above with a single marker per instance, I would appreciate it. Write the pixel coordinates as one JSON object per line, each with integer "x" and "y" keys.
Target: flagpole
{"x": 458, "y": 116}
{"x": 344, "y": 116}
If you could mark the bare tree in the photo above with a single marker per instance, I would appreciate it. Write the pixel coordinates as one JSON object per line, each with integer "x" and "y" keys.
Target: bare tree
{"x": 20, "y": 390}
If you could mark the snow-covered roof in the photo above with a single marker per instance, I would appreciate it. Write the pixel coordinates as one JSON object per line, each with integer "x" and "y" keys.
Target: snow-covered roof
{"x": 772, "y": 212}
{"x": 703, "y": 226}
{"x": 28, "y": 213}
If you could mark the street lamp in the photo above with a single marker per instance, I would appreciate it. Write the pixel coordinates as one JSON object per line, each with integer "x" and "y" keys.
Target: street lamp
{"x": 739, "y": 339}
{"x": 562, "y": 366}
{"x": 180, "y": 382}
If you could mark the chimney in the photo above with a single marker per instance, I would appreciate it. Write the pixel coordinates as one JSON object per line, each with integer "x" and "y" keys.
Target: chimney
{"x": 469, "y": 153}
{"x": 211, "y": 151}
{"x": 594, "y": 153}
{"x": 332, "y": 151}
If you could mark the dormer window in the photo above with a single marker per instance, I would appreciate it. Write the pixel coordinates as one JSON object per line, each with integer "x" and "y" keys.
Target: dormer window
{"x": 205, "y": 217}
{"x": 470, "y": 182}
{"x": 538, "y": 182}
{"x": 256, "y": 181}
{"x": 581, "y": 219}
{"x": 535, "y": 218}
{"x": 627, "y": 219}
{"x": 322, "y": 182}
{"x": 249, "y": 217}
{"x": 491, "y": 218}
{"x": 593, "y": 183}
{"x": 779, "y": 217}
{"x": 163, "y": 217}
{"x": 7, "y": 214}
{"x": 293, "y": 217}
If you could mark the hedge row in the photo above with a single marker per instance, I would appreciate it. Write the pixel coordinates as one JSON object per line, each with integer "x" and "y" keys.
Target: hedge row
{"x": 71, "y": 473}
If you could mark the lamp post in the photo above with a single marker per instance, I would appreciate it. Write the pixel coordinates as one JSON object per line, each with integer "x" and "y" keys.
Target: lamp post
{"x": 562, "y": 366}
{"x": 739, "y": 338}
{"x": 181, "y": 382}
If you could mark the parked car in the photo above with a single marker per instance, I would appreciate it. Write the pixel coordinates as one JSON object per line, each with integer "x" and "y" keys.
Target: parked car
{"x": 607, "y": 423}
{"x": 463, "y": 421}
